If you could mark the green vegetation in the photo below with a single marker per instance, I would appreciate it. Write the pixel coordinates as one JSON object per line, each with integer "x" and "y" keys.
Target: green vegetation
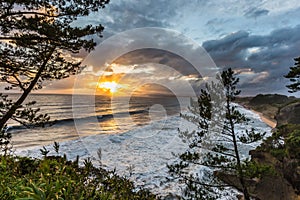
{"x": 282, "y": 152}
{"x": 284, "y": 142}
{"x": 253, "y": 169}
{"x": 54, "y": 177}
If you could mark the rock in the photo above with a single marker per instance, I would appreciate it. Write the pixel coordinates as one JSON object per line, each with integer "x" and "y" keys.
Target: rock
{"x": 285, "y": 183}
{"x": 289, "y": 114}
{"x": 264, "y": 158}
{"x": 291, "y": 172}
{"x": 275, "y": 188}
{"x": 265, "y": 188}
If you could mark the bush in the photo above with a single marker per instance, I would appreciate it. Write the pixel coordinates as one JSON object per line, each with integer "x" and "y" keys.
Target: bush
{"x": 284, "y": 143}
{"x": 55, "y": 177}
{"x": 254, "y": 169}
{"x": 293, "y": 144}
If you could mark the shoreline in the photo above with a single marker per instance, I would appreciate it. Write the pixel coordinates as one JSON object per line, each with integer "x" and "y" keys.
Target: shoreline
{"x": 267, "y": 120}
{"x": 270, "y": 122}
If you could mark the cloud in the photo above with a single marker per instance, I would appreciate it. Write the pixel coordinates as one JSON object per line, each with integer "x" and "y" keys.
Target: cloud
{"x": 157, "y": 56}
{"x": 256, "y": 12}
{"x": 242, "y": 33}
{"x": 119, "y": 16}
{"x": 268, "y": 56}
{"x": 261, "y": 61}
{"x": 156, "y": 67}
{"x": 216, "y": 25}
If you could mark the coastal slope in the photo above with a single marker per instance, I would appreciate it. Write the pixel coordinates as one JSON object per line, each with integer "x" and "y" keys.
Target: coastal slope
{"x": 281, "y": 150}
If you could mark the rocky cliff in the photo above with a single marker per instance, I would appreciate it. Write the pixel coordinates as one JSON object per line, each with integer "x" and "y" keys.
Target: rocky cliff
{"x": 281, "y": 151}
{"x": 288, "y": 114}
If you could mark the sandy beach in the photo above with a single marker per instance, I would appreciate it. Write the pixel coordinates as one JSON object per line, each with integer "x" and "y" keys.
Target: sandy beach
{"x": 270, "y": 122}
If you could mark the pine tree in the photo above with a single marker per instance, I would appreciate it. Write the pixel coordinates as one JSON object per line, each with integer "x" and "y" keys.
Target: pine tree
{"x": 215, "y": 148}
{"x": 294, "y": 76}
{"x": 37, "y": 41}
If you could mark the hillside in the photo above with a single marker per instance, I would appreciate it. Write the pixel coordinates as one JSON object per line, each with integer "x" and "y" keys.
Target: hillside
{"x": 281, "y": 150}
{"x": 276, "y": 107}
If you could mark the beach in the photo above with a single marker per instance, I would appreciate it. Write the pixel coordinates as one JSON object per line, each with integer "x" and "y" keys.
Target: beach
{"x": 270, "y": 122}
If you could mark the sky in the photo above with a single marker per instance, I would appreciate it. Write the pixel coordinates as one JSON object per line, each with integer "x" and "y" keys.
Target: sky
{"x": 257, "y": 38}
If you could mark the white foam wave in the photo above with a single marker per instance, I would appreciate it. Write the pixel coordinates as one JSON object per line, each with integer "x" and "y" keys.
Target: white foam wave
{"x": 146, "y": 150}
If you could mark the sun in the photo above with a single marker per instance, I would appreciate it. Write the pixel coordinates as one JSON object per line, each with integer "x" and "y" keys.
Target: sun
{"x": 110, "y": 87}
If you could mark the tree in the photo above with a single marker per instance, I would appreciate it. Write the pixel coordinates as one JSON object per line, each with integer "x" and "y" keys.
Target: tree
{"x": 37, "y": 39}
{"x": 294, "y": 76}
{"x": 216, "y": 150}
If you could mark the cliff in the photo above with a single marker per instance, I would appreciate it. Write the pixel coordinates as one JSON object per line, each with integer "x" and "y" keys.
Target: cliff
{"x": 289, "y": 114}
{"x": 281, "y": 151}
{"x": 276, "y": 107}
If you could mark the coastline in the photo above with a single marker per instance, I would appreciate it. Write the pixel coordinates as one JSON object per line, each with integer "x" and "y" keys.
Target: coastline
{"x": 270, "y": 122}
{"x": 266, "y": 119}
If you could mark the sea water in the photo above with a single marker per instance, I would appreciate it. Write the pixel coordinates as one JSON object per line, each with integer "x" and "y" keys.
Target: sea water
{"x": 137, "y": 136}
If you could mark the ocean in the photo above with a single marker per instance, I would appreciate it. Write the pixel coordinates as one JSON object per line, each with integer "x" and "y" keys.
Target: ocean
{"x": 137, "y": 136}
{"x": 98, "y": 114}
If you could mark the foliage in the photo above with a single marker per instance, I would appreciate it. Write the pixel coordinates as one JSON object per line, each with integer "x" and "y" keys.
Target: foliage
{"x": 55, "y": 177}
{"x": 38, "y": 41}
{"x": 44, "y": 151}
{"x": 294, "y": 76}
{"x": 284, "y": 142}
{"x": 257, "y": 170}
{"x": 216, "y": 145}
{"x": 293, "y": 144}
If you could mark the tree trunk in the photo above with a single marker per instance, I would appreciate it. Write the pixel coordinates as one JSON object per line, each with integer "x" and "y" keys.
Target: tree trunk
{"x": 236, "y": 151}
{"x": 26, "y": 92}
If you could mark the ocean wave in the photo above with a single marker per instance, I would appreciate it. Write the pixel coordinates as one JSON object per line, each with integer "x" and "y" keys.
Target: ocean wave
{"x": 65, "y": 121}
{"x": 147, "y": 149}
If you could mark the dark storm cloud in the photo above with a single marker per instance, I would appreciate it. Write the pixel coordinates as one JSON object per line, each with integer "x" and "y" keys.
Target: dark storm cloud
{"x": 256, "y": 12}
{"x": 143, "y": 56}
{"x": 269, "y": 57}
{"x": 119, "y": 16}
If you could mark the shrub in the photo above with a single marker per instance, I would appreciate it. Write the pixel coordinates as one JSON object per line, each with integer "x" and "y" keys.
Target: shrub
{"x": 55, "y": 177}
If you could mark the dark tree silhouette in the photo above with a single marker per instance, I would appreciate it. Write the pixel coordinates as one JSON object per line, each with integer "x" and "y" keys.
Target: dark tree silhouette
{"x": 294, "y": 76}
{"x": 215, "y": 150}
{"x": 35, "y": 38}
